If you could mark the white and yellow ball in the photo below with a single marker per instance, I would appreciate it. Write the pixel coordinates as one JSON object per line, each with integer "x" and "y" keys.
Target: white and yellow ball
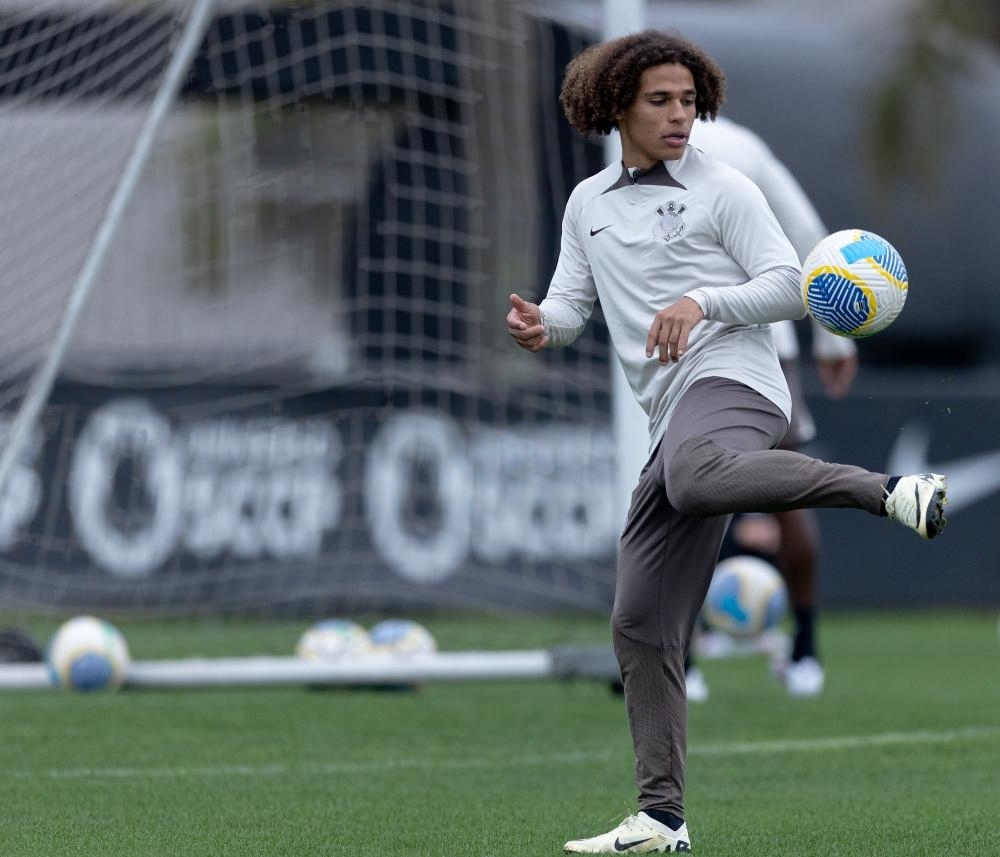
{"x": 746, "y": 597}
{"x": 854, "y": 283}
{"x": 87, "y": 654}
{"x": 333, "y": 640}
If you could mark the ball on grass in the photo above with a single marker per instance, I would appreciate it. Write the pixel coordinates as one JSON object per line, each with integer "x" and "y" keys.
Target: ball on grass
{"x": 87, "y": 653}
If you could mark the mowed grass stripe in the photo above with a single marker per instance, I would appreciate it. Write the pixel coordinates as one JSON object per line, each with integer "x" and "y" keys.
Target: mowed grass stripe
{"x": 367, "y": 766}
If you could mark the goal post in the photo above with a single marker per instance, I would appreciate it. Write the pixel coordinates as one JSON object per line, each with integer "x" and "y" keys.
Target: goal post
{"x": 630, "y": 424}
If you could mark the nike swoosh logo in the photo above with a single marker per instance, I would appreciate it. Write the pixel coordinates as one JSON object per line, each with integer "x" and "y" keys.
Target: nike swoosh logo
{"x": 969, "y": 479}
{"x": 593, "y": 232}
{"x": 624, "y": 846}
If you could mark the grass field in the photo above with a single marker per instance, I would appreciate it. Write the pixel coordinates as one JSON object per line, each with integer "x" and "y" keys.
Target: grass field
{"x": 900, "y": 756}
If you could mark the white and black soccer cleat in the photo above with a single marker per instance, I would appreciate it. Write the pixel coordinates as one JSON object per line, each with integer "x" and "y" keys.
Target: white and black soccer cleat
{"x": 637, "y": 834}
{"x": 918, "y": 502}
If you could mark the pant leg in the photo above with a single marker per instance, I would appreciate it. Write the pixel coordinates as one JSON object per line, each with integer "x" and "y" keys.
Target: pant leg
{"x": 656, "y": 706}
{"x": 709, "y": 478}
{"x": 713, "y": 472}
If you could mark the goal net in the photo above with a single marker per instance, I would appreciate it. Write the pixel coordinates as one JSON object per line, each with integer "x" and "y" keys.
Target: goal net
{"x": 289, "y": 387}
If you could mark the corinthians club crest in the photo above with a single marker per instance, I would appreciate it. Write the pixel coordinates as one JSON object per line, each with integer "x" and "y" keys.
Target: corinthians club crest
{"x": 671, "y": 224}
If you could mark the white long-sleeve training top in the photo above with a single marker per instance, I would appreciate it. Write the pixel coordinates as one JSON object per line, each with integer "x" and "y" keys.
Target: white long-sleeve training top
{"x": 641, "y": 240}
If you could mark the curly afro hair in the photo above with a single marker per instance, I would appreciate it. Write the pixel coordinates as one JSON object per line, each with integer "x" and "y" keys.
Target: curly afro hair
{"x": 603, "y": 80}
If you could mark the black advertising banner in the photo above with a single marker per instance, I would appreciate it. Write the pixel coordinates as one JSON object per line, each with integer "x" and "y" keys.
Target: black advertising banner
{"x": 203, "y": 499}
{"x": 223, "y": 500}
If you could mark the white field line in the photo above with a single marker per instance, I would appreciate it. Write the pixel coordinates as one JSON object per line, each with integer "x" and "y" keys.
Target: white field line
{"x": 363, "y": 766}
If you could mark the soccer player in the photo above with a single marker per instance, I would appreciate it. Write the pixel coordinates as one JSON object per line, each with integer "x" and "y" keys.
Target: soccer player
{"x": 836, "y": 362}
{"x": 690, "y": 266}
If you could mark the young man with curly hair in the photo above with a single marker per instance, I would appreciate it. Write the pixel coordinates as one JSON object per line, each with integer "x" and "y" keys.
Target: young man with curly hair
{"x": 690, "y": 266}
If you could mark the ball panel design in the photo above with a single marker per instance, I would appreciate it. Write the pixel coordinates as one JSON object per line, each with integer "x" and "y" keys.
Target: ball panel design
{"x": 402, "y": 637}
{"x": 727, "y": 603}
{"x": 839, "y": 300}
{"x": 90, "y": 671}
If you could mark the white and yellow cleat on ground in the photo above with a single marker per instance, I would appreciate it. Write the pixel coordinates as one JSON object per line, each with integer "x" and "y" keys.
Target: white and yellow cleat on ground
{"x": 637, "y": 834}
{"x": 918, "y": 502}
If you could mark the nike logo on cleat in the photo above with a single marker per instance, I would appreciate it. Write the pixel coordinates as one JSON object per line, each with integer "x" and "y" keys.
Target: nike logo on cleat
{"x": 593, "y": 232}
{"x": 624, "y": 846}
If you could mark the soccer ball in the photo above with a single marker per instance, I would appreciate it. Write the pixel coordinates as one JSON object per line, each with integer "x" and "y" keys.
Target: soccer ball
{"x": 854, "y": 283}
{"x": 333, "y": 640}
{"x": 402, "y": 637}
{"x": 746, "y": 597}
{"x": 87, "y": 653}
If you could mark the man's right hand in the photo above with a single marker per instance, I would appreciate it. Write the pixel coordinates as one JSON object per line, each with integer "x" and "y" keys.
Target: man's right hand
{"x": 524, "y": 324}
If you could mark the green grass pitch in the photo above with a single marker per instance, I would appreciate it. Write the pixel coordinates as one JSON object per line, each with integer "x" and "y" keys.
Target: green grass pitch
{"x": 900, "y": 756}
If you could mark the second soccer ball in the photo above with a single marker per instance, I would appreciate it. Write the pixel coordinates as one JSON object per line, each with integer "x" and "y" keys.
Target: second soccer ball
{"x": 333, "y": 640}
{"x": 87, "y": 653}
{"x": 747, "y": 596}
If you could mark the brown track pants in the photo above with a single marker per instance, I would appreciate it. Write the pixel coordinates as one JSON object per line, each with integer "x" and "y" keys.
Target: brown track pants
{"x": 716, "y": 458}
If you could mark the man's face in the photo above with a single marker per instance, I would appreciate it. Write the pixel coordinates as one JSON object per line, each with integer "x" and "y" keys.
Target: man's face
{"x": 656, "y": 125}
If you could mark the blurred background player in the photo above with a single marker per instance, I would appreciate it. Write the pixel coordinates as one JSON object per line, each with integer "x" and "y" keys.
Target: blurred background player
{"x": 795, "y": 547}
